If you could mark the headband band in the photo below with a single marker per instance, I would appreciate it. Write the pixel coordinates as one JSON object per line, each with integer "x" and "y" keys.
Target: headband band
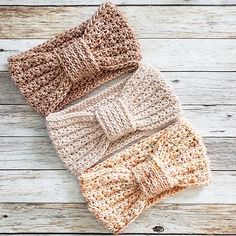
{"x": 85, "y": 133}
{"x": 77, "y": 61}
{"x": 120, "y": 188}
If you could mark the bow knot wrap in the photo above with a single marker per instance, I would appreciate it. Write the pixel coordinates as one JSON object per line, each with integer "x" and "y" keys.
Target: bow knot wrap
{"x": 115, "y": 119}
{"x": 152, "y": 178}
{"x": 87, "y": 132}
{"x": 118, "y": 189}
{"x": 77, "y": 61}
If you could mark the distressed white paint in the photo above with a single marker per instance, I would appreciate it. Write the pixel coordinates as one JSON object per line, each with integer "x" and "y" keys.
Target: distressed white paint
{"x": 195, "y": 88}
{"x": 60, "y": 186}
{"x": 165, "y": 54}
{"x": 75, "y": 218}
{"x": 148, "y": 21}
{"x": 191, "y": 212}
{"x": 122, "y": 2}
{"x": 37, "y": 153}
{"x": 216, "y": 121}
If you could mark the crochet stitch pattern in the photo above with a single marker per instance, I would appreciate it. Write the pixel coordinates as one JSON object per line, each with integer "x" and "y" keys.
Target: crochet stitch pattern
{"x": 121, "y": 187}
{"x": 85, "y": 133}
{"x": 77, "y": 61}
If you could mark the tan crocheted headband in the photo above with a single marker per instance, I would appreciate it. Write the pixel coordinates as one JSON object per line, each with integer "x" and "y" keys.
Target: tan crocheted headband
{"x": 75, "y": 62}
{"x": 120, "y": 188}
{"x": 85, "y": 133}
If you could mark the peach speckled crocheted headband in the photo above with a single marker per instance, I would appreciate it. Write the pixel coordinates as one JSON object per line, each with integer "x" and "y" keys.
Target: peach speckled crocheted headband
{"x": 75, "y": 62}
{"x": 85, "y": 133}
{"x": 120, "y": 188}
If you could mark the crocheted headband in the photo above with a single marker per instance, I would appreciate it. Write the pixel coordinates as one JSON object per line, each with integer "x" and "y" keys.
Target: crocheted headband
{"x": 120, "y": 188}
{"x": 75, "y": 62}
{"x": 85, "y": 133}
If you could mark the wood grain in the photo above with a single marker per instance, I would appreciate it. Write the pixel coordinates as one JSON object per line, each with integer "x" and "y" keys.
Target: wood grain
{"x": 194, "y": 45}
{"x": 60, "y": 186}
{"x": 150, "y": 22}
{"x": 29, "y": 153}
{"x": 197, "y": 88}
{"x": 120, "y": 2}
{"x": 157, "y": 229}
{"x": 216, "y": 121}
{"x": 75, "y": 218}
{"x": 37, "y": 153}
{"x": 165, "y": 54}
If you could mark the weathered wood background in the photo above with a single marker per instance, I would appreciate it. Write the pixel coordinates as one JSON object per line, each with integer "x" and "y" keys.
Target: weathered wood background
{"x": 194, "y": 43}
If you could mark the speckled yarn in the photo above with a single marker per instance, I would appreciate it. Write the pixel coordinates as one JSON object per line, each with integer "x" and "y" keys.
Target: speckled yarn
{"x": 75, "y": 62}
{"x": 85, "y": 133}
{"x": 120, "y": 188}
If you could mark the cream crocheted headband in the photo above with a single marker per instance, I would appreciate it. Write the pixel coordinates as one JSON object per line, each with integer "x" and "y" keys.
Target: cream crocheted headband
{"x": 120, "y": 188}
{"x": 85, "y": 133}
{"x": 75, "y": 62}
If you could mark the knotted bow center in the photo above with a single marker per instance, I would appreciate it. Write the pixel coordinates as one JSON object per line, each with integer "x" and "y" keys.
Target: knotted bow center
{"x": 115, "y": 119}
{"x": 78, "y": 61}
{"x": 153, "y": 178}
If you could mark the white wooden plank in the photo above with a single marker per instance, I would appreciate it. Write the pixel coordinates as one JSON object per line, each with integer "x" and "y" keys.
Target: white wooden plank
{"x": 221, "y": 159}
{"x": 190, "y": 55}
{"x": 165, "y": 54}
{"x": 157, "y": 229}
{"x": 120, "y": 2}
{"x": 216, "y": 121}
{"x": 198, "y": 88}
{"x": 204, "y": 87}
{"x": 93, "y": 234}
{"x": 60, "y": 186}
{"x": 21, "y": 121}
{"x": 38, "y": 153}
{"x": 75, "y": 218}
{"x": 150, "y": 22}
{"x": 28, "y": 153}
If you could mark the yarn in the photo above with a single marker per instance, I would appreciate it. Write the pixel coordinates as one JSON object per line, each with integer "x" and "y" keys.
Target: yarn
{"x": 120, "y": 188}
{"x": 115, "y": 119}
{"x": 77, "y": 61}
{"x": 87, "y": 132}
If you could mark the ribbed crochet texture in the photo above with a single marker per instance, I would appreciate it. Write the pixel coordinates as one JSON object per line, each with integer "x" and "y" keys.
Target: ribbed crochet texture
{"x": 120, "y": 188}
{"x": 75, "y": 62}
{"x": 85, "y": 133}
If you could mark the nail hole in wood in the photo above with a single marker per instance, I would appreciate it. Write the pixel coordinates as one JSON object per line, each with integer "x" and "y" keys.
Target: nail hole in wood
{"x": 158, "y": 229}
{"x": 176, "y": 81}
{"x": 5, "y": 216}
{"x": 209, "y": 105}
{"x": 217, "y": 131}
{"x": 229, "y": 115}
